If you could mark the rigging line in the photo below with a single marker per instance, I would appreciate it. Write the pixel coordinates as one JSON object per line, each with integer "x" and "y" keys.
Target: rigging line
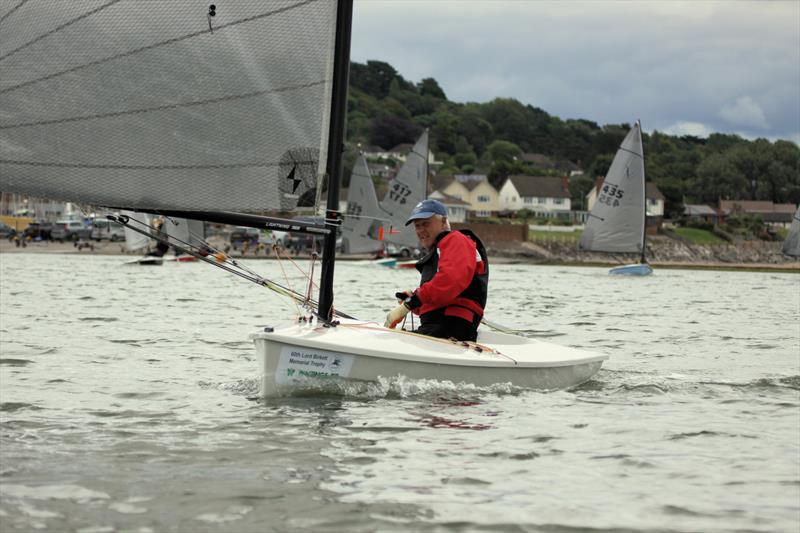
{"x": 12, "y": 10}
{"x": 154, "y": 45}
{"x": 143, "y": 167}
{"x": 285, "y": 277}
{"x": 631, "y": 152}
{"x": 170, "y": 106}
{"x": 57, "y": 28}
{"x": 231, "y": 267}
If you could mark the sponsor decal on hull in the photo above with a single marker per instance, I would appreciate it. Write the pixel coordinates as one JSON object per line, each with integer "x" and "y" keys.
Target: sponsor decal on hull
{"x": 297, "y": 364}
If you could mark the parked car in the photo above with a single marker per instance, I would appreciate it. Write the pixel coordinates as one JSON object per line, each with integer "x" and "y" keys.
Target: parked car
{"x": 39, "y": 231}
{"x": 107, "y": 229}
{"x": 70, "y": 230}
{"x": 404, "y": 252}
{"x": 302, "y": 242}
{"x": 242, "y": 235}
{"x": 6, "y": 231}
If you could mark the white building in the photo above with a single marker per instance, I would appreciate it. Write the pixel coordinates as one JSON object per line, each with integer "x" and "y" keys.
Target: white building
{"x": 456, "y": 209}
{"x": 479, "y": 194}
{"x": 545, "y": 196}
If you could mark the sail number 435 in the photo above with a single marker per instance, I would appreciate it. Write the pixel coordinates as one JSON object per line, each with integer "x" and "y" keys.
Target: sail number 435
{"x": 611, "y": 195}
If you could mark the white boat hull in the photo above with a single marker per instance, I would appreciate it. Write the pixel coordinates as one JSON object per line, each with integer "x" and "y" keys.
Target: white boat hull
{"x": 307, "y": 356}
{"x": 638, "y": 269}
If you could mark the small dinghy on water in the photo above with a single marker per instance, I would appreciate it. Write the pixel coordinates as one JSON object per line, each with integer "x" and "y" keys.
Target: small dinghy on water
{"x": 138, "y": 240}
{"x": 791, "y": 246}
{"x": 210, "y": 118}
{"x": 617, "y": 220}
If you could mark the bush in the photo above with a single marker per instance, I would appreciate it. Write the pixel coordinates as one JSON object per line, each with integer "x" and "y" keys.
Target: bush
{"x": 697, "y": 223}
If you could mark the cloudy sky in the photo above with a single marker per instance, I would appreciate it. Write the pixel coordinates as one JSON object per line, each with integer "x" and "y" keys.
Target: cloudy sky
{"x": 692, "y": 67}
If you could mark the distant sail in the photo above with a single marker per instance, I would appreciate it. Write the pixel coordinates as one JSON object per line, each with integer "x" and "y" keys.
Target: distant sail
{"x": 791, "y": 246}
{"x": 160, "y": 105}
{"x": 362, "y": 212}
{"x": 183, "y": 232}
{"x": 133, "y": 239}
{"x": 616, "y": 221}
{"x": 406, "y": 190}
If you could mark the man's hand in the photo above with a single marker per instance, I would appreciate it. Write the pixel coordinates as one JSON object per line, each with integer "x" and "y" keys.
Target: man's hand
{"x": 395, "y": 316}
{"x": 403, "y": 295}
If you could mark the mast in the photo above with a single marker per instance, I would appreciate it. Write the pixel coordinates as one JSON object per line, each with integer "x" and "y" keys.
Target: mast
{"x": 644, "y": 191}
{"x": 341, "y": 71}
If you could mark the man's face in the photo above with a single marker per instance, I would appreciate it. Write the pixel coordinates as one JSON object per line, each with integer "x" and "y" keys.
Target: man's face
{"x": 427, "y": 229}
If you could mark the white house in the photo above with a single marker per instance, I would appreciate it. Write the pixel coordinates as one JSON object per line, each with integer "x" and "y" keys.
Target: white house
{"x": 479, "y": 194}
{"x": 546, "y": 196}
{"x": 456, "y": 209}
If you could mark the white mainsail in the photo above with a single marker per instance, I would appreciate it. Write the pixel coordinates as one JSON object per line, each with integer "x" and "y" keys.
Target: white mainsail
{"x": 164, "y": 105}
{"x": 791, "y": 246}
{"x": 406, "y": 190}
{"x": 616, "y": 221}
{"x": 362, "y": 212}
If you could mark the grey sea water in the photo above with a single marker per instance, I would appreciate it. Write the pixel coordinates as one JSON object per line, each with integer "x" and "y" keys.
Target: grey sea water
{"x": 128, "y": 402}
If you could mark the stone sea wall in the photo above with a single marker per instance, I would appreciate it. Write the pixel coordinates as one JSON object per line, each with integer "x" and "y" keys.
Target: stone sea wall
{"x": 660, "y": 249}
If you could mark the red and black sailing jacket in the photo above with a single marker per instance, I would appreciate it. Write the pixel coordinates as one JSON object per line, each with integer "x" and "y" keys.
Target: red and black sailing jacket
{"x": 454, "y": 278}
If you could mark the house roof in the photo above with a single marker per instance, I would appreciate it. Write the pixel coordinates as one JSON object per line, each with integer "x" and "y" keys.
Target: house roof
{"x": 371, "y": 149}
{"x": 402, "y": 149}
{"x": 463, "y": 178}
{"x": 473, "y": 184}
{"x": 440, "y": 182}
{"x": 446, "y": 199}
{"x": 651, "y": 190}
{"x": 539, "y": 186}
{"x": 540, "y": 160}
{"x": 698, "y": 210}
{"x": 755, "y": 206}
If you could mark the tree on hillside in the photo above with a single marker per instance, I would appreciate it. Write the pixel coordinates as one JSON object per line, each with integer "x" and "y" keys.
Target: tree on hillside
{"x": 374, "y": 78}
{"x": 504, "y": 151}
{"x": 430, "y": 87}
{"x": 503, "y": 169}
{"x": 388, "y": 131}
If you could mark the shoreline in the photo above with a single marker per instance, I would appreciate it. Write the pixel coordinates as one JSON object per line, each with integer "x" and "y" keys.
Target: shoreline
{"x": 502, "y": 256}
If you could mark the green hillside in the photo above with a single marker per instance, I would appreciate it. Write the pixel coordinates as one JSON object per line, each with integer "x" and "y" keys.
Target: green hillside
{"x": 385, "y": 110}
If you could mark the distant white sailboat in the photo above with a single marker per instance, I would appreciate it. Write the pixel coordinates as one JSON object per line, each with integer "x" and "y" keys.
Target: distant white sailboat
{"x": 139, "y": 241}
{"x": 183, "y": 234}
{"x": 616, "y": 222}
{"x": 408, "y": 188}
{"x": 361, "y": 217}
{"x": 791, "y": 246}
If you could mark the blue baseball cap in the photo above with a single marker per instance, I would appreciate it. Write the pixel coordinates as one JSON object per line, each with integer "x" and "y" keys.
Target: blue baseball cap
{"x": 426, "y": 209}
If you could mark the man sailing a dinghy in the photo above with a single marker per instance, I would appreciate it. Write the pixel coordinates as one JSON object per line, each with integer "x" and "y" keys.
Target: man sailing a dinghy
{"x": 454, "y": 278}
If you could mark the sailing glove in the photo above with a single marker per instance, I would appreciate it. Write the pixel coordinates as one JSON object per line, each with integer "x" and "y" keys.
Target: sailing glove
{"x": 396, "y": 315}
{"x": 410, "y": 298}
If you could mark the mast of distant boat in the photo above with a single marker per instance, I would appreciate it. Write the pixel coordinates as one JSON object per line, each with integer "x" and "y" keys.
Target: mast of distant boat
{"x": 644, "y": 192}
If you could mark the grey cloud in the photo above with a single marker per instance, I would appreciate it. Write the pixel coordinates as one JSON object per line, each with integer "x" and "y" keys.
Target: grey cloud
{"x": 729, "y": 66}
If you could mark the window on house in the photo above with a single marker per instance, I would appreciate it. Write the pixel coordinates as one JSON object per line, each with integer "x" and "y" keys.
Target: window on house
{"x": 483, "y": 199}
{"x": 527, "y": 200}
{"x": 652, "y": 202}
{"x": 482, "y": 213}
{"x": 541, "y": 200}
{"x": 558, "y": 201}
